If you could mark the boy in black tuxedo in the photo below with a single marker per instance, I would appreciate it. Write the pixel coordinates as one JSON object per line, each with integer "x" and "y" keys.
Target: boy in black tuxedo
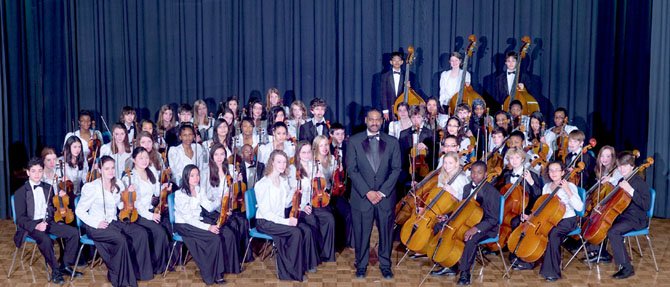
{"x": 317, "y": 125}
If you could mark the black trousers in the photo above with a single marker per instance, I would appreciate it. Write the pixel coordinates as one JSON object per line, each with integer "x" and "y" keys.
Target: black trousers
{"x": 344, "y": 236}
{"x": 615, "y": 236}
{"x": 551, "y": 264}
{"x": 362, "y": 223}
{"x": 470, "y": 251}
{"x": 206, "y": 249}
{"x": 290, "y": 241}
{"x": 158, "y": 242}
{"x": 125, "y": 250}
{"x": 70, "y": 236}
{"x": 322, "y": 224}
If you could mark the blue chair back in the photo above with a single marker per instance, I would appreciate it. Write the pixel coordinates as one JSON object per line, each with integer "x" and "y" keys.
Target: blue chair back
{"x": 502, "y": 210}
{"x": 650, "y": 213}
{"x": 76, "y": 202}
{"x": 13, "y": 211}
{"x": 250, "y": 203}
{"x": 582, "y": 195}
{"x": 170, "y": 198}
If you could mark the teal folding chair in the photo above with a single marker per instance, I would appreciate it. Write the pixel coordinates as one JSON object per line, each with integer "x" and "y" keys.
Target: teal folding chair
{"x": 644, "y": 231}
{"x": 251, "y": 206}
{"x": 495, "y": 240}
{"x": 578, "y": 231}
{"x": 26, "y": 239}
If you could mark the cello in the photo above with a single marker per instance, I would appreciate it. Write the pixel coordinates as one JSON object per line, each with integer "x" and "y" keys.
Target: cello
{"x": 407, "y": 206}
{"x": 516, "y": 200}
{"x": 447, "y": 246}
{"x": 529, "y": 239}
{"x": 603, "y": 189}
{"x": 603, "y": 215}
{"x": 528, "y": 102}
{"x": 129, "y": 213}
{"x": 466, "y": 94}
{"x": 408, "y": 96}
{"x": 418, "y": 229}
{"x": 62, "y": 203}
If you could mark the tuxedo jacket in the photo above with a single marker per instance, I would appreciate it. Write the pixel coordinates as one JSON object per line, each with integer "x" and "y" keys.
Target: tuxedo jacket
{"x": 502, "y": 90}
{"x": 363, "y": 176}
{"x": 534, "y": 191}
{"x": 260, "y": 167}
{"x": 489, "y": 200}
{"x": 388, "y": 91}
{"x": 308, "y": 131}
{"x": 425, "y": 137}
{"x": 24, "y": 205}
{"x": 588, "y": 174}
{"x": 636, "y": 212}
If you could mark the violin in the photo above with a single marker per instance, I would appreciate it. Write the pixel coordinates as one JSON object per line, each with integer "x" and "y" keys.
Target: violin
{"x": 466, "y": 94}
{"x": 561, "y": 141}
{"x": 61, "y": 203}
{"x": 339, "y": 177}
{"x": 94, "y": 145}
{"x": 418, "y": 229}
{"x": 166, "y": 177}
{"x": 528, "y": 102}
{"x": 320, "y": 198}
{"x": 129, "y": 212}
{"x": 407, "y": 206}
{"x": 417, "y": 159}
{"x": 446, "y": 247}
{"x": 605, "y": 213}
{"x": 408, "y": 96}
{"x": 529, "y": 240}
{"x": 297, "y": 197}
{"x": 226, "y": 205}
{"x": 239, "y": 188}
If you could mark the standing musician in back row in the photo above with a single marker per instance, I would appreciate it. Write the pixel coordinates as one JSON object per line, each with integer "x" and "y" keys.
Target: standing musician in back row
{"x": 373, "y": 164}
{"x": 505, "y": 81}
{"x": 392, "y": 85}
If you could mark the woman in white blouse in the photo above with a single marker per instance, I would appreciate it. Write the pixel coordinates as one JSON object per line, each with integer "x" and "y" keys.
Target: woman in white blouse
{"x": 294, "y": 244}
{"x": 188, "y": 152}
{"x": 403, "y": 122}
{"x": 74, "y": 163}
{"x": 147, "y": 186}
{"x": 450, "y": 81}
{"x": 234, "y": 231}
{"x": 221, "y": 136}
{"x": 85, "y": 132}
{"x": 123, "y": 247}
{"x": 201, "y": 239}
{"x": 119, "y": 149}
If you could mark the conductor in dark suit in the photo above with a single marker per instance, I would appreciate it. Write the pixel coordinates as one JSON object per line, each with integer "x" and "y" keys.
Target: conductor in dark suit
{"x": 392, "y": 84}
{"x": 374, "y": 164}
{"x": 34, "y": 217}
{"x": 505, "y": 81}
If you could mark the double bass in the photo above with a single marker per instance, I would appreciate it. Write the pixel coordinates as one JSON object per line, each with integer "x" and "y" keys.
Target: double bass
{"x": 528, "y": 102}
{"x": 529, "y": 240}
{"x": 408, "y": 96}
{"x": 466, "y": 94}
{"x": 601, "y": 219}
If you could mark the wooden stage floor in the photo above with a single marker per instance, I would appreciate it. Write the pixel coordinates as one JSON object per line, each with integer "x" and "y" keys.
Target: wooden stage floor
{"x": 341, "y": 273}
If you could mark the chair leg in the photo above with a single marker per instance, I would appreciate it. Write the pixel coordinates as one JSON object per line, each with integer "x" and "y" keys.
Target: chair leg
{"x": 76, "y": 262}
{"x": 11, "y": 267}
{"x": 174, "y": 244}
{"x": 630, "y": 248}
{"x": 502, "y": 257}
{"x": 23, "y": 251}
{"x": 638, "y": 246}
{"x": 276, "y": 259}
{"x": 653, "y": 255}
{"x": 481, "y": 258}
{"x": 93, "y": 260}
{"x": 32, "y": 256}
{"x": 246, "y": 251}
{"x": 46, "y": 268}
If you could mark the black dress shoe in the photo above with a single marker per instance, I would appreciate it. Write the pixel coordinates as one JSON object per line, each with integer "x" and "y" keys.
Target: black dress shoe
{"x": 523, "y": 266}
{"x": 220, "y": 281}
{"x": 624, "y": 273}
{"x": 551, "y": 279}
{"x": 594, "y": 259}
{"x": 68, "y": 271}
{"x": 313, "y": 270}
{"x": 360, "y": 273}
{"x": 387, "y": 273}
{"x": 417, "y": 256}
{"x": 464, "y": 279}
{"x": 57, "y": 277}
{"x": 445, "y": 271}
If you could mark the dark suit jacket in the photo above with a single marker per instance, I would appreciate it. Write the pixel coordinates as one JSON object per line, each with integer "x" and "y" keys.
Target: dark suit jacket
{"x": 636, "y": 212}
{"x": 364, "y": 178}
{"x": 308, "y": 132}
{"x": 489, "y": 200}
{"x": 260, "y": 167}
{"x": 534, "y": 191}
{"x": 24, "y": 203}
{"x": 502, "y": 90}
{"x": 425, "y": 137}
{"x": 388, "y": 92}
{"x": 588, "y": 177}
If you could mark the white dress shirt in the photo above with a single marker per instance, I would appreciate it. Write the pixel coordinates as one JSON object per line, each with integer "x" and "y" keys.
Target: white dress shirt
{"x": 451, "y": 85}
{"x": 396, "y": 81}
{"x": 84, "y": 144}
{"x": 97, "y": 205}
{"x": 178, "y": 159}
{"x": 458, "y": 185}
{"x": 510, "y": 81}
{"x": 40, "y": 201}
{"x": 273, "y": 200}
{"x": 265, "y": 150}
{"x": 187, "y": 208}
{"x": 571, "y": 203}
{"x": 145, "y": 191}
{"x": 121, "y": 159}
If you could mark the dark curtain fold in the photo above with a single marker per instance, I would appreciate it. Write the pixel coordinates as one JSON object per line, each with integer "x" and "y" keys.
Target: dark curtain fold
{"x": 63, "y": 56}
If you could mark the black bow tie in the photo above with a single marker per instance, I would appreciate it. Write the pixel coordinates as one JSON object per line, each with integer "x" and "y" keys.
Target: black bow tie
{"x": 375, "y": 137}
{"x": 574, "y": 154}
{"x": 514, "y": 175}
{"x": 320, "y": 124}
{"x": 394, "y": 72}
{"x": 511, "y": 73}
{"x": 36, "y": 186}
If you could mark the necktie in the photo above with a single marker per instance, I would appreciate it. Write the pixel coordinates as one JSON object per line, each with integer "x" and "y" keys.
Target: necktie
{"x": 374, "y": 151}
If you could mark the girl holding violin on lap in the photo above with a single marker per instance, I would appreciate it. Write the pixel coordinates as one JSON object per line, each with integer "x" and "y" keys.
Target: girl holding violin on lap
{"x": 146, "y": 186}
{"x": 217, "y": 183}
{"x": 74, "y": 164}
{"x": 295, "y": 245}
{"x": 314, "y": 176}
{"x": 123, "y": 247}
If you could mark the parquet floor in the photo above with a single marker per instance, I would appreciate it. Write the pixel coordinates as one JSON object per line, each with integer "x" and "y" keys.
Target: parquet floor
{"x": 341, "y": 273}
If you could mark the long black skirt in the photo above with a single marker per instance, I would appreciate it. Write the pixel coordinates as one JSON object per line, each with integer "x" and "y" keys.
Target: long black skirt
{"x": 322, "y": 224}
{"x": 240, "y": 225}
{"x": 206, "y": 249}
{"x": 230, "y": 238}
{"x": 343, "y": 224}
{"x": 159, "y": 243}
{"x": 312, "y": 240}
{"x": 289, "y": 240}
{"x": 125, "y": 250}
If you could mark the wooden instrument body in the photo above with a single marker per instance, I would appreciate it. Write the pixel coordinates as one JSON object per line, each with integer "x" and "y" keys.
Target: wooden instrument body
{"x": 63, "y": 212}
{"x": 339, "y": 178}
{"x": 469, "y": 96}
{"x": 161, "y": 208}
{"x": 409, "y": 96}
{"x": 528, "y": 102}
{"x": 536, "y": 230}
{"x": 600, "y": 221}
{"x": 129, "y": 212}
{"x": 418, "y": 162}
{"x": 406, "y": 207}
{"x": 225, "y": 209}
{"x": 515, "y": 204}
{"x": 447, "y": 248}
{"x": 594, "y": 197}
{"x": 418, "y": 229}
{"x": 320, "y": 198}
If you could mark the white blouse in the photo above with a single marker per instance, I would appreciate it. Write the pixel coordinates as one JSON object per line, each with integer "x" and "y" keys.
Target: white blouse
{"x": 122, "y": 160}
{"x": 273, "y": 200}
{"x": 451, "y": 85}
{"x": 145, "y": 191}
{"x": 458, "y": 185}
{"x": 97, "y": 205}
{"x": 187, "y": 208}
{"x": 265, "y": 150}
{"x": 178, "y": 159}
{"x": 574, "y": 202}
{"x": 395, "y": 127}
